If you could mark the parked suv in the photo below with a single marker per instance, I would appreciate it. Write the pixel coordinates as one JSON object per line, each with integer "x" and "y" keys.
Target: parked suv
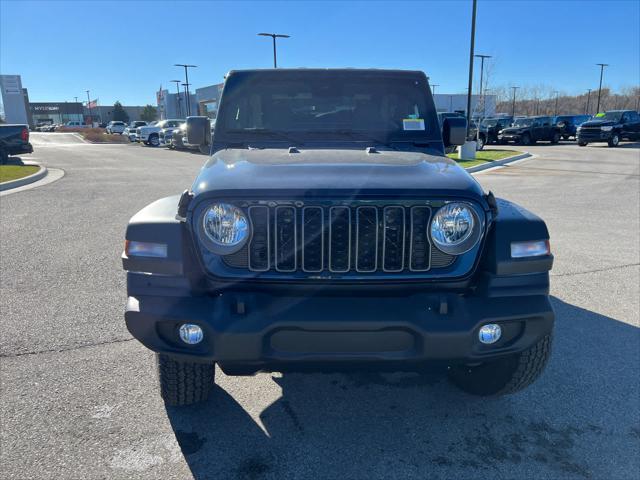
{"x": 493, "y": 125}
{"x": 612, "y": 127}
{"x": 116, "y": 127}
{"x": 329, "y": 231}
{"x": 150, "y": 134}
{"x": 527, "y": 131}
{"x": 567, "y": 125}
{"x": 132, "y": 130}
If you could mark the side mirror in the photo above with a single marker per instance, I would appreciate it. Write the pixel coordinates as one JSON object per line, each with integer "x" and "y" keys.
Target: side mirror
{"x": 199, "y": 131}
{"x": 454, "y": 131}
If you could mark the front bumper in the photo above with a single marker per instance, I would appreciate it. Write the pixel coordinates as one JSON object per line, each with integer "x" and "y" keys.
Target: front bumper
{"x": 509, "y": 137}
{"x": 262, "y": 331}
{"x": 594, "y": 136}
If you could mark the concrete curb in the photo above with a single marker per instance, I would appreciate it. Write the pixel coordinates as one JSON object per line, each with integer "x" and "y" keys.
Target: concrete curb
{"x": 19, "y": 182}
{"x": 498, "y": 163}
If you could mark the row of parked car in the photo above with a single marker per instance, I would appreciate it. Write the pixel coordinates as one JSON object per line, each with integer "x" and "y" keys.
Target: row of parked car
{"x": 610, "y": 127}
{"x": 171, "y": 133}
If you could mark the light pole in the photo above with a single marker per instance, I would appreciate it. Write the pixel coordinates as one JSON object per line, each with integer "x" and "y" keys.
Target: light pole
{"x": 274, "y": 36}
{"x": 186, "y": 92}
{"x": 586, "y": 110}
{"x": 471, "y": 49}
{"x": 482, "y": 57}
{"x": 179, "y": 110}
{"x": 186, "y": 83}
{"x": 89, "y": 107}
{"x": 513, "y": 102}
{"x": 602, "y": 65}
{"x": 556, "y": 108}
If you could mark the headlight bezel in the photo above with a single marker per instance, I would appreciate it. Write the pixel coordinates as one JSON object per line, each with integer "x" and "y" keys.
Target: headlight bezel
{"x": 470, "y": 241}
{"x": 209, "y": 241}
{"x": 606, "y": 128}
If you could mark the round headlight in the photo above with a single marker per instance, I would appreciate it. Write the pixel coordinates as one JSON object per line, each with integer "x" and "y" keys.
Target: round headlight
{"x": 455, "y": 228}
{"x": 226, "y": 227}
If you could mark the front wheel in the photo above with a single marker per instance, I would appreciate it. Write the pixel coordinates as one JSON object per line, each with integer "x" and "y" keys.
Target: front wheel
{"x": 154, "y": 140}
{"x": 614, "y": 141}
{"x": 508, "y": 375}
{"x": 582, "y": 144}
{"x": 182, "y": 382}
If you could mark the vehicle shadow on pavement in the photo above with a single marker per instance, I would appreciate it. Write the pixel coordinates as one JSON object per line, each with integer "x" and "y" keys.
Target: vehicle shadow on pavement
{"x": 621, "y": 145}
{"x": 580, "y": 414}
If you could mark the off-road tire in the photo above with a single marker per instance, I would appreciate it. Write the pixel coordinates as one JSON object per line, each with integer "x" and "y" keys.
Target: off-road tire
{"x": 154, "y": 140}
{"x": 614, "y": 141}
{"x": 505, "y": 376}
{"x": 582, "y": 144}
{"x": 182, "y": 382}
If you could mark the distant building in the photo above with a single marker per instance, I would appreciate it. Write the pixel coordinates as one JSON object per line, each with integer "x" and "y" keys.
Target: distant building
{"x": 209, "y": 100}
{"x": 457, "y": 102}
{"x": 174, "y": 105}
{"x": 13, "y": 99}
{"x": 104, "y": 113}
{"x": 55, "y": 112}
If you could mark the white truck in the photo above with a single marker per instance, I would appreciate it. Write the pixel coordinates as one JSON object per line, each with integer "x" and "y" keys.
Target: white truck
{"x": 150, "y": 134}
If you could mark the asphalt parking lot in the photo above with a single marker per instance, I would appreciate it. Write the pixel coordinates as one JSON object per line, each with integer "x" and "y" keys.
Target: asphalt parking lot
{"x": 79, "y": 397}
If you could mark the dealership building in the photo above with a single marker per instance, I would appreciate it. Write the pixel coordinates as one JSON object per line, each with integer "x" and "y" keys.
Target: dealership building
{"x": 204, "y": 101}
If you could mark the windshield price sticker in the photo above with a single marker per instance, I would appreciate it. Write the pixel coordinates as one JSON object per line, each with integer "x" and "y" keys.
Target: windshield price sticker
{"x": 413, "y": 124}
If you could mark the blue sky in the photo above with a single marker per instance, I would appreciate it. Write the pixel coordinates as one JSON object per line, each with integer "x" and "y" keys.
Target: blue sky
{"x": 125, "y": 50}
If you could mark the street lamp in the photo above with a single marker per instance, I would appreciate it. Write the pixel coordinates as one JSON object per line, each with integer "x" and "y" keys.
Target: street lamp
{"x": 513, "y": 103}
{"x": 586, "y": 110}
{"x": 179, "y": 110}
{"x": 471, "y": 49}
{"x": 274, "y": 36}
{"x": 601, "y": 65}
{"x": 482, "y": 57}
{"x": 186, "y": 90}
{"x": 186, "y": 83}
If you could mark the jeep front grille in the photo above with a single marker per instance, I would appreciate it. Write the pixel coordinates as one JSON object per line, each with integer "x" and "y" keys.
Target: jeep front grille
{"x": 357, "y": 238}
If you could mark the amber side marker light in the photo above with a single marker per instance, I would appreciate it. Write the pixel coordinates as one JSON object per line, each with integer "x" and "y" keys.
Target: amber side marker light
{"x": 145, "y": 249}
{"x": 535, "y": 248}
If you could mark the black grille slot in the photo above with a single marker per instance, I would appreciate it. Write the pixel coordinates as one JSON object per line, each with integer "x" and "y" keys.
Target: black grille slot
{"x": 393, "y": 241}
{"x": 312, "y": 239}
{"x": 339, "y": 239}
{"x": 259, "y": 250}
{"x": 285, "y": 233}
{"x": 366, "y": 239}
{"x": 420, "y": 248}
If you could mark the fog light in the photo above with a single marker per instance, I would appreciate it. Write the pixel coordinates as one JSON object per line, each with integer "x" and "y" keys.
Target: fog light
{"x": 191, "y": 334}
{"x": 490, "y": 333}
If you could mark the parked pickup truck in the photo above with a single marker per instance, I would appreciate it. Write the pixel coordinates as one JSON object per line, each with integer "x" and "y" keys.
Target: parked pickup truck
{"x": 150, "y": 134}
{"x": 527, "y": 131}
{"x": 612, "y": 127}
{"x": 14, "y": 140}
{"x": 329, "y": 231}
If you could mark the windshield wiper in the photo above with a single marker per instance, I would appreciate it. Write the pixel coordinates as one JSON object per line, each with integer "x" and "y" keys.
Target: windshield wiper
{"x": 263, "y": 131}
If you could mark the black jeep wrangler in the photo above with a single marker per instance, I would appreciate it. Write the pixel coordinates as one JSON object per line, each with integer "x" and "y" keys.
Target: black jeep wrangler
{"x": 529, "y": 130}
{"x": 328, "y": 231}
{"x": 611, "y": 127}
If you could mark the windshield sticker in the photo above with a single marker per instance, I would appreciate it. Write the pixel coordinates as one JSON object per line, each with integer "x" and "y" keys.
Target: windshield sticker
{"x": 413, "y": 124}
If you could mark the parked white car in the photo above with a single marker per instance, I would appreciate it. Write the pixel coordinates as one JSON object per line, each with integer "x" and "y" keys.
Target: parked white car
{"x": 76, "y": 125}
{"x": 116, "y": 127}
{"x": 150, "y": 135}
{"x": 132, "y": 130}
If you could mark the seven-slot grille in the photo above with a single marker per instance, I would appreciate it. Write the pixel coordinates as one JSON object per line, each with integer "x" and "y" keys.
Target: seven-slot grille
{"x": 339, "y": 239}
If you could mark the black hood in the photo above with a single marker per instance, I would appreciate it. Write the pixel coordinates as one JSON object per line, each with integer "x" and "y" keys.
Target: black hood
{"x": 346, "y": 170}
{"x": 598, "y": 123}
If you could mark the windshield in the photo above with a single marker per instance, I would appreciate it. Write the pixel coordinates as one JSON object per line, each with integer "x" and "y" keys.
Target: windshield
{"x": 492, "y": 122}
{"x": 611, "y": 116}
{"x": 523, "y": 122}
{"x": 290, "y": 106}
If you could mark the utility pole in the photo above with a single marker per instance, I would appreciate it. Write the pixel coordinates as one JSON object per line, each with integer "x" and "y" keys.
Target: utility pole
{"x": 274, "y": 36}
{"x": 513, "y": 103}
{"x": 586, "y": 110}
{"x": 556, "y": 109}
{"x": 89, "y": 107}
{"x": 482, "y": 57}
{"x": 186, "y": 90}
{"x": 186, "y": 83}
{"x": 601, "y": 65}
{"x": 178, "y": 99}
{"x": 471, "y": 54}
